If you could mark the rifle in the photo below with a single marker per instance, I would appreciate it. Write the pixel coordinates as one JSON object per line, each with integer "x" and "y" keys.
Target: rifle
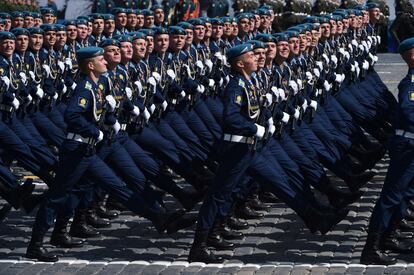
{"x": 261, "y": 121}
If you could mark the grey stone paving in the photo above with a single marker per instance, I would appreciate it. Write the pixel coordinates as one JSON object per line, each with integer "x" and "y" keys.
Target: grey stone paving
{"x": 277, "y": 244}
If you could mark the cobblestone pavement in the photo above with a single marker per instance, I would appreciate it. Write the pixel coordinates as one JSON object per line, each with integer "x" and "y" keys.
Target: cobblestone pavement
{"x": 277, "y": 244}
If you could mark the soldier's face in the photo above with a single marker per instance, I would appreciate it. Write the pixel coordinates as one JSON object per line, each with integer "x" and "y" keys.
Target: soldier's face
{"x": 126, "y": 51}
{"x": 132, "y": 20}
{"x": 149, "y": 21}
{"x": 61, "y": 38}
{"x": 208, "y": 30}
{"x": 109, "y": 26}
{"x": 325, "y": 30}
{"x": 228, "y": 29}
{"x": 112, "y": 54}
{"x": 38, "y": 22}
{"x": 365, "y": 17}
{"x": 2, "y": 27}
{"x": 339, "y": 27}
{"x": 189, "y": 37}
{"x": 249, "y": 61}
{"x": 121, "y": 19}
{"x": 257, "y": 21}
{"x": 18, "y": 22}
{"x": 161, "y": 43}
{"x": 315, "y": 38}
{"x": 71, "y": 32}
{"x": 8, "y": 25}
{"x": 217, "y": 31}
{"x": 199, "y": 32}
{"x": 140, "y": 20}
{"x": 90, "y": 27}
{"x": 139, "y": 47}
{"x": 99, "y": 65}
{"x": 346, "y": 24}
{"x": 354, "y": 21}
{"x": 98, "y": 26}
{"x": 252, "y": 24}
{"x": 28, "y": 22}
{"x": 159, "y": 16}
{"x": 177, "y": 41}
{"x": 36, "y": 41}
{"x": 374, "y": 14}
{"x": 294, "y": 45}
{"x": 22, "y": 43}
{"x": 150, "y": 45}
{"x": 7, "y": 47}
{"x": 261, "y": 57}
{"x": 49, "y": 38}
{"x": 49, "y": 18}
{"x": 333, "y": 26}
{"x": 235, "y": 29}
{"x": 271, "y": 51}
{"x": 309, "y": 38}
{"x": 244, "y": 25}
{"x": 82, "y": 31}
{"x": 283, "y": 49}
{"x": 303, "y": 42}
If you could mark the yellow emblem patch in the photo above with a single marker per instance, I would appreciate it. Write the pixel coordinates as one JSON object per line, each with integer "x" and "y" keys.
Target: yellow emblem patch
{"x": 238, "y": 99}
{"x": 82, "y": 102}
{"x": 412, "y": 78}
{"x": 88, "y": 85}
{"x": 1, "y": 70}
{"x": 101, "y": 87}
{"x": 241, "y": 83}
{"x": 412, "y": 96}
{"x": 121, "y": 77}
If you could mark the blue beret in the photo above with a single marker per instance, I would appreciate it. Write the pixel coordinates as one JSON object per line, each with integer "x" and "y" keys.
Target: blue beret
{"x": 60, "y": 28}
{"x": 357, "y": 12}
{"x": 207, "y": 20}
{"x": 176, "y": 30}
{"x": 130, "y": 11}
{"x": 7, "y": 35}
{"x": 81, "y": 22}
{"x": 148, "y": 32}
{"x": 28, "y": 14}
{"x": 217, "y": 21}
{"x": 257, "y": 44}
{"x": 360, "y": 7}
{"x": 185, "y": 25}
{"x": 311, "y": 19}
{"x": 243, "y": 15}
{"x": 139, "y": 35}
{"x": 406, "y": 45}
{"x": 156, "y": 7}
{"x": 372, "y": 5}
{"x": 267, "y": 38}
{"x": 5, "y": 15}
{"x": 70, "y": 22}
{"x": 109, "y": 42}
{"x": 115, "y": 11}
{"x": 108, "y": 17}
{"x": 262, "y": 11}
{"x": 227, "y": 19}
{"x": 300, "y": 29}
{"x": 48, "y": 27}
{"x": 148, "y": 12}
{"x": 160, "y": 30}
{"x": 36, "y": 15}
{"x": 291, "y": 34}
{"x": 88, "y": 52}
{"x": 17, "y": 14}
{"x": 239, "y": 50}
{"x": 20, "y": 31}
{"x": 95, "y": 16}
{"x": 123, "y": 38}
{"x": 35, "y": 30}
{"x": 2, "y": 21}
{"x": 139, "y": 12}
{"x": 47, "y": 10}
{"x": 196, "y": 22}
{"x": 281, "y": 37}
{"x": 323, "y": 20}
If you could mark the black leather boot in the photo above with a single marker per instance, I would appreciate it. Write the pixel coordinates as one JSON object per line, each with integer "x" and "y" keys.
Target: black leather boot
{"x": 256, "y": 204}
{"x": 355, "y": 182}
{"x": 268, "y": 197}
{"x": 94, "y": 220}
{"x": 199, "y": 251}
{"x": 227, "y": 233}
{"x": 104, "y": 212}
{"x": 322, "y": 221}
{"x": 80, "y": 228}
{"x": 389, "y": 241}
{"x": 188, "y": 199}
{"x": 371, "y": 254}
{"x": 237, "y": 224}
{"x": 60, "y": 236}
{"x": 36, "y": 251}
{"x": 163, "y": 220}
{"x": 339, "y": 198}
{"x": 243, "y": 211}
{"x": 183, "y": 222}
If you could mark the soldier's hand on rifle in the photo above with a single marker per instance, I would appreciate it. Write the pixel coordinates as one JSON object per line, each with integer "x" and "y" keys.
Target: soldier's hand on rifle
{"x": 61, "y": 66}
{"x": 46, "y": 68}
{"x": 6, "y": 81}
{"x": 268, "y": 100}
{"x": 171, "y": 74}
{"x": 100, "y": 137}
{"x": 260, "y": 131}
{"x": 209, "y": 66}
{"x": 316, "y": 72}
{"x": 68, "y": 62}
{"x": 152, "y": 108}
{"x": 23, "y": 77}
{"x": 138, "y": 84}
{"x": 39, "y": 91}
{"x": 200, "y": 89}
{"x": 135, "y": 111}
{"x": 32, "y": 75}
{"x": 111, "y": 102}
{"x": 156, "y": 76}
{"x": 164, "y": 105}
{"x": 146, "y": 114}
{"x": 285, "y": 118}
{"x": 28, "y": 99}
{"x": 128, "y": 93}
{"x": 55, "y": 96}
{"x": 313, "y": 104}
{"x": 327, "y": 86}
{"x": 15, "y": 103}
{"x": 294, "y": 86}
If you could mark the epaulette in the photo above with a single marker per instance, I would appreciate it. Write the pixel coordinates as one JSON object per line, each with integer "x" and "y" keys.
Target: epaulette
{"x": 88, "y": 85}
{"x": 241, "y": 83}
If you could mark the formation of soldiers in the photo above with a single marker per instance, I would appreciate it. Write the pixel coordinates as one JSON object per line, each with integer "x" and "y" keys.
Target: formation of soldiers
{"x": 109, "y": 109}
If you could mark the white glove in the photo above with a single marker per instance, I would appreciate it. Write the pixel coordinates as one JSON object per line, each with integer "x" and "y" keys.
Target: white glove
{"x": 314, "y": 104}
{"x": 128, "y": 93}
{"x": 147, "y": 115}
{"x": 182, "y": 94}
{"x": 116, "y": 127}
{"x": 350, "y": 48}
{"x": 219, "y": 56}
{"x": 55, "y": 96}
{"x": 152, "y": 81}
{"x": 369, "y": 45}
{"x": 365, "y": 45}
{"x": 6, "y": 81}
{"x": 334, "y": 59}
{"x": 282, "y": 94}
{"x": 39, "y": 92}
{"x": 211, "y": 83}
{"x": 305, "y": 105}
{"x": 138, "y": 84}
{"x": 338, "y": 78}
{"x": 221, "y": 82}
{"x": 316, "y": 72}
{"x": 200, "y": 89}
{"x": 375, "y": 58}
{"x": 164, "y": 105}
{"x": 341, "y": 51}
{"x": 209, "y": 65}
{"x": 320, "y": 65}
{"x": 326, "y": 85}
{"x": 357, "y": 69}
{"x": 227, "y": 78}
{"x": 73, "y": 87}
{"x": 268, "y": 99}
{"x": 369, "y": 38}
{"x": 260, "y": 131}
{"x": 361, "y": 48}
{"x": 326, "y": 58}
{"x": 68, "y": 63}
{"x": 15, "y": 103}
{"x": 270, "y": 121}
{"x": 379, "y": 39}
{"x": 352, "y": 68}
{"x": 354, "y": 43}
{"x": 135, "y": 111}
{"x": 152, "y": 108}
{"x": 374, "y": 40}
{"x": 100, "y": 137}
{"x": 32, "y": 75}
{"x": 371, "y": 57}
{"x": 199, "y": 65}
{"x": 64, "y": 89}
{"x": 272, "y": 129}
{"x": 171, "y": 74}
{"x": 347, "y": 56}
{"x": 294, "y": 86}
{"x": 23, "y": 77}
{"x": 61, "y": 66}
{"x": 47, "y": 69}
{"x": 297, "y": 114}
{"x": 365, "y": 65}
{"x": 156, "y": 76}
{"x": 309, "y": 76}
{"x": 285, "y": 118}
{"x": 300, "y": 84}
{"x": 343, "y": 77}
{"x": 111, "y": 101}
{"x": 225, "y": 60}
{"x": 28, "y": 99}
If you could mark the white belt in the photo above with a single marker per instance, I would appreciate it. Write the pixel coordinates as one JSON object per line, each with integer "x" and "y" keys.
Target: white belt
{"x": 79, "y": 138}
{"x": 404, "y": 133}
{"x": 123, "y": 127}
{"x": 239, "y": 139}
